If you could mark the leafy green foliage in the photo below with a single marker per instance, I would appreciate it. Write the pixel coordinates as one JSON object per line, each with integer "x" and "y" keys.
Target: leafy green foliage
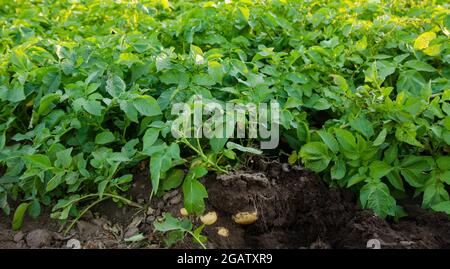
{"x": 86, "y": 90}
{"x": 194, "y": 191}
{"x": 177, "y": 229}
{"x": 19, "y": 215}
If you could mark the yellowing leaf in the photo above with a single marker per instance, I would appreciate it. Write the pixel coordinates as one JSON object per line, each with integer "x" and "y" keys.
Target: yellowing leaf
{"x": 128, "y": 59}
{"x": 433, "y": 50}
{"x": 423, "y": 40}
{"x": 215, "y": 70}
{"x": 197, "y": 54}
{"x": 361, "y": 44}
{"x": 165, "y": 4}
{"x": 293, "y": 158}
{"x": 245, "y": 13}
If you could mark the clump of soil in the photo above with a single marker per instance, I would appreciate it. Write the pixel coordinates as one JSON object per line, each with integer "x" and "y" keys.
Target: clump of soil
{"x": 297, "y": 210}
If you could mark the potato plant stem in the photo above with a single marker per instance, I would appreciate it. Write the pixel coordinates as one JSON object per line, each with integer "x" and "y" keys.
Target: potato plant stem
{"x": 203, "y": 156}
{"x": 105, "y": 196}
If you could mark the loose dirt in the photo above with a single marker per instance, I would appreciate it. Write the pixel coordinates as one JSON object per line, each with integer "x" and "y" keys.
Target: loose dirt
{"x": 295, "y": 210}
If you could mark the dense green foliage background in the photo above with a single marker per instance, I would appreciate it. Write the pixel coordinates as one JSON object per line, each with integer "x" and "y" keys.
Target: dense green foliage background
{"x": 86, "y": 89}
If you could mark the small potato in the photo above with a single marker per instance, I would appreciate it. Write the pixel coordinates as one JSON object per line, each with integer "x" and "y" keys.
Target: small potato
{"x": 245, "y": 218}
{"x": 184, "y": 212}
{"x": 209, "y": 219}
{"x": 222, "y": 231}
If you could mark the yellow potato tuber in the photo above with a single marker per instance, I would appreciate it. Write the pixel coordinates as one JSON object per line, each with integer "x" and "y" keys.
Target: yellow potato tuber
{"x": 209, "y": 219}
{"x": 184, "y": 212}
{"x": 245, "y": 218}
{"x": 222, "y": 231}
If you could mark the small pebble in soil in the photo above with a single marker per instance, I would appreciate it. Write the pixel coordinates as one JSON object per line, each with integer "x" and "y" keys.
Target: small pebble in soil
{"x": 150, "y": 211}
{"x": 167, "y": 196}
{"x": 160, "y": 205}
{"x": 18, "y": 236}
{"x": 150, "y": 219}
{"x": 39, "y": 238}
{"x": 175, "y": 200}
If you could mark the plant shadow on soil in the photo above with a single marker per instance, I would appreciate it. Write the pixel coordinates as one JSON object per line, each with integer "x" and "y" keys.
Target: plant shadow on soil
{"x": 295, "y": 210}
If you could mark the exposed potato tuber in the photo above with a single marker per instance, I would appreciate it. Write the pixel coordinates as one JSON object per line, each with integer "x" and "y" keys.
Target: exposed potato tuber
{"x": 245, "y": 218}
{"x": 222, "y": 231}
{"x": 209, "y": 219}
{"x": 184, "y": 212}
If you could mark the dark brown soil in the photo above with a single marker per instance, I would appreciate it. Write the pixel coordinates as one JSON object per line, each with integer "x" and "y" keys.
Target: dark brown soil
{"x": 92, "y": 231}
{"x": 295, "y": 210}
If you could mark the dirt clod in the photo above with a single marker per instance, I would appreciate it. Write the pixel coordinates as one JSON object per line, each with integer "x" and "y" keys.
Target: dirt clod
{"x": 160, "y": 205}
{"x": 88, "y": 228}
{"x": 18, "y": 236}
{"x": 39, "y": 238}
{"x": 175, "y": 200}
{"x": 150, "y": 219}
{"x": 150, "y": 211}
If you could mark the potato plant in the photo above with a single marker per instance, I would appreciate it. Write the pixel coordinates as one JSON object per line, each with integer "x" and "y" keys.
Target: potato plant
{"x": 86, "y": 90}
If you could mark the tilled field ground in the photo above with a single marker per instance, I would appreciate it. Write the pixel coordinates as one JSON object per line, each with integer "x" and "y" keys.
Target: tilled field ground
{"x": 295, "y": 209}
